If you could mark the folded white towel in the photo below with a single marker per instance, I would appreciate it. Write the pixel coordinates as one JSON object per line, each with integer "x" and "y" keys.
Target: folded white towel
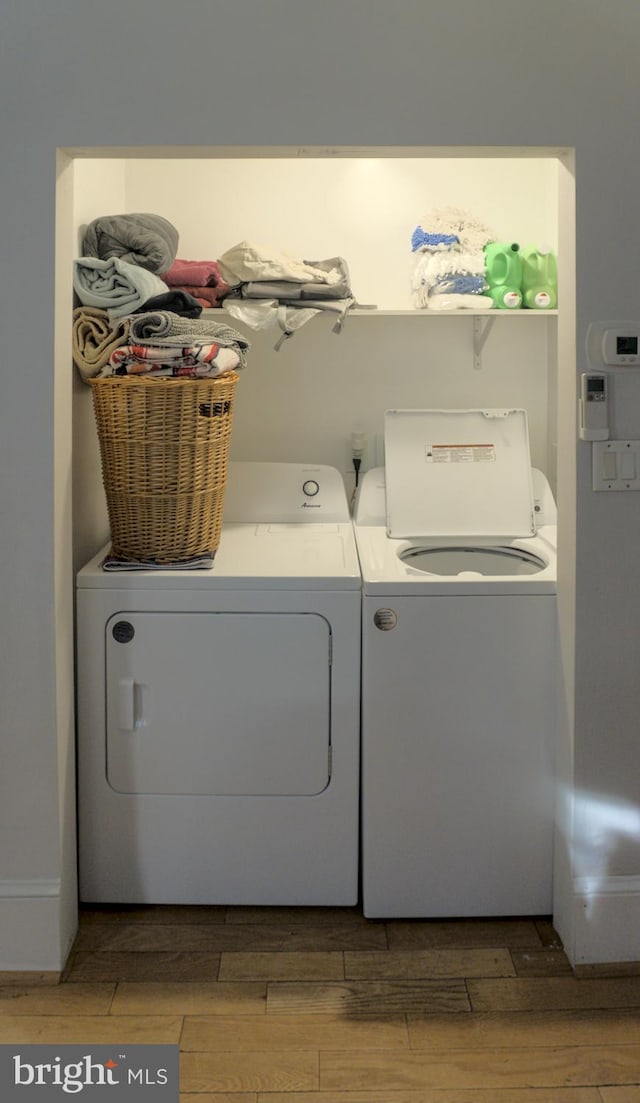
{"x": 247, "y": 262}
{"x": 460, "y": 302}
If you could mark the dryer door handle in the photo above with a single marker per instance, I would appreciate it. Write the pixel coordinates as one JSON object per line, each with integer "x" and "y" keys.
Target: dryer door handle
{"x": 126, "y": 704}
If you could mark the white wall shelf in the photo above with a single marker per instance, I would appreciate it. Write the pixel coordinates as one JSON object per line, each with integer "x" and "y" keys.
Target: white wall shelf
{"x": 409, "y": 312}
{"x": 480, "y": 331}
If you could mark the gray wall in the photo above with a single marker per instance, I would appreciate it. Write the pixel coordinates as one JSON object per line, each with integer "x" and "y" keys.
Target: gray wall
{"x": 281, "y": 72}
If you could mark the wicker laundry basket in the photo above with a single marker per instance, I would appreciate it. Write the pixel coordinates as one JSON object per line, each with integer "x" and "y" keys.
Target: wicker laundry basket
{"x": 164, "y": 446}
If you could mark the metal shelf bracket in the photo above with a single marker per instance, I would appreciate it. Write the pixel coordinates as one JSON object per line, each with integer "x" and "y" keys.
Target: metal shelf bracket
{"x": 481, "y": 329}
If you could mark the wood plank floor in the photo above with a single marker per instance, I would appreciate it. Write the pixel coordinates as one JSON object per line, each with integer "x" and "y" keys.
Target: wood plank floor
{"x": 313, "y": 1005}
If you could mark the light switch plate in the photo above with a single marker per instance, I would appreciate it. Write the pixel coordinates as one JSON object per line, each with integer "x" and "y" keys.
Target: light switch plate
{"x": 616, "y": 465}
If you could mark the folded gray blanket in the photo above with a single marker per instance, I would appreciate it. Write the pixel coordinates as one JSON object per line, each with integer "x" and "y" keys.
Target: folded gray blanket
{"x": 114, "y": 285}
{"x": 147, "y": 240}
{"x": 162, "y": 327}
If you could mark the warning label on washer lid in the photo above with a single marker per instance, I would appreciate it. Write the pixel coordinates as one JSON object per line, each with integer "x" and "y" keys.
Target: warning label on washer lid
{"x": 459, "y": 453}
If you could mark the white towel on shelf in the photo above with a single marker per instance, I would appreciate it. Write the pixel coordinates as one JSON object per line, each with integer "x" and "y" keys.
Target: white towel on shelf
{"x": 247, "y": 262}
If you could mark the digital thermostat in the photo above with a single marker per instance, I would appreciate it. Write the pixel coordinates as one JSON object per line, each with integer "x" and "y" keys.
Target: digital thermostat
{"x": 621, "y": 347}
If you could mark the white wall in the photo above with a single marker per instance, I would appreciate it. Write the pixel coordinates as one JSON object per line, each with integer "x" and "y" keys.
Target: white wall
{"x": 97, "y": 185}
{"x": 360, "y": 72}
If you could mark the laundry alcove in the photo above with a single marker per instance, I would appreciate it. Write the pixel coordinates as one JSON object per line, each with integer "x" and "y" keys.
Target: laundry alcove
{"x": 362, "y": 204}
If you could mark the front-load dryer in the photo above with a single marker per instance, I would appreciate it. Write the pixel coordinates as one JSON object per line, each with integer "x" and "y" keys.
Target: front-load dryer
{"x": 457, "y": 547}
{"x": 218, "y": 709}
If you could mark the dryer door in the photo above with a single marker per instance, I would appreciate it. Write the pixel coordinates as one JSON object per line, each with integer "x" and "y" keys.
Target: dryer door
{"x": 218, "y": 703}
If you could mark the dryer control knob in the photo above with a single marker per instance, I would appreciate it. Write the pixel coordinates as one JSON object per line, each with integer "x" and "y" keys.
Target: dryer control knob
{"x": 311, "y": 488}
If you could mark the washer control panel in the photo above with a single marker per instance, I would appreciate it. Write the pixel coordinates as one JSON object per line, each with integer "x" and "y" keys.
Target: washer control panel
{"x": 284, "y": 493}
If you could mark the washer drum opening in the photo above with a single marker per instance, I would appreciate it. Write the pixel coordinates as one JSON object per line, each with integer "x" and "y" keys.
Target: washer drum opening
{"x": 454, "y": 560}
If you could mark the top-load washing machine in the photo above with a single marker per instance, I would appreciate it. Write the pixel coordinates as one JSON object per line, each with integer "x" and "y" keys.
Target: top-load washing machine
{"x": 457, "y": 547}
{"x": 218, "y": 709}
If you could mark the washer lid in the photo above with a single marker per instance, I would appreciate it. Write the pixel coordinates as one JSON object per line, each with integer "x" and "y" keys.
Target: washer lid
{"x": 463, "y": 473}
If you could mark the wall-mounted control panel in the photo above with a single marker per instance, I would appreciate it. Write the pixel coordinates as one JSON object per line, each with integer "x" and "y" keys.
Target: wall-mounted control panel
{"x": 594, "y": 407}
{"x": 611, "y": 345}
{"x": 621, "y": 346}
{"x": 613, "y": 358}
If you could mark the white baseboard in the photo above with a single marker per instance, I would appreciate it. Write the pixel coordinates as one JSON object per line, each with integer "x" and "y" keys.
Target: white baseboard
{"x": 30, "y": 926}
{"x": 27, "y": 889}
{"x": 607, "y": 920}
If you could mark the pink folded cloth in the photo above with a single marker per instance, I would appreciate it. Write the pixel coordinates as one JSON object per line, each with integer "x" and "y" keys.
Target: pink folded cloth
{"x": 193, "y": 273}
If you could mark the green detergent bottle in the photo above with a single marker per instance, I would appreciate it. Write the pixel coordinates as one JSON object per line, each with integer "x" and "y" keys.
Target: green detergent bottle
{"x": 539, "y": 278}
{"x": 503, "y": 273}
